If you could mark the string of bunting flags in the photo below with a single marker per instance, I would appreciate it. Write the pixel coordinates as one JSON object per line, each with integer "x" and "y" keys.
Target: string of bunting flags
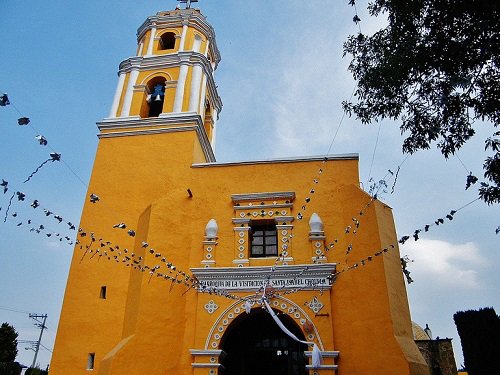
{"x": 437, "y": 222}
{"x": 41, "y": 139}
{"x": 30, "y": 222}
{"x": 94, "y": 198}
{"x": 349, "y": 229}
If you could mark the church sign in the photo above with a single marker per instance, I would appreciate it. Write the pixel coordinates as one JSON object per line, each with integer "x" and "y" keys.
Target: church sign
{"x": 304, "y": 277}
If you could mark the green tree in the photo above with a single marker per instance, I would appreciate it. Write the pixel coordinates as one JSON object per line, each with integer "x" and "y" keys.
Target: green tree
{"x": 8, "y": 350}
{"x": 479, "y": 332}
{"x": 35, "y": 371}
{"x": 8, "y": 343}
{"x": 435, "y": 68}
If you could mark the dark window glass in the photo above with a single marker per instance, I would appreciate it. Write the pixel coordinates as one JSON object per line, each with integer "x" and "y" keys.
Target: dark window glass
{"x": 263, "y": 238}
{"x": 103, "y": 292}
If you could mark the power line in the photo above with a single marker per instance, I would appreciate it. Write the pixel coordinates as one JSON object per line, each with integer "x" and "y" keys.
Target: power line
{"x": 374, "y": 151}
{"x": 14, "y": 310}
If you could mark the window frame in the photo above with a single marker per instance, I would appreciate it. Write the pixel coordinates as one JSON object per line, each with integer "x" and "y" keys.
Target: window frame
{"x": 91, "y": 361}
{"x": 269, "y": 243}
{"x": 103, "y": 292}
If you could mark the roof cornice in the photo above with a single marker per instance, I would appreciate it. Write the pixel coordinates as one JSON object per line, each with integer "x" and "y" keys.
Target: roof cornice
{"x": 179, "y": 17}
{"x": 297, "y": 159}
{"x": 166, "y": 123}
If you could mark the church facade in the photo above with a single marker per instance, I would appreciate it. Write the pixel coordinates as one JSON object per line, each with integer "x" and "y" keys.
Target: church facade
{"x": 189, "y": 266}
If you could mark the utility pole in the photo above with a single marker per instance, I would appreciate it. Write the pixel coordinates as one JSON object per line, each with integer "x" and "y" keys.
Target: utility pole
{"x": 41, "y": 324}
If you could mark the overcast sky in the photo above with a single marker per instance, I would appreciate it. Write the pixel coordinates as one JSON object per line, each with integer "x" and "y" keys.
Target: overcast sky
{"x": 282, "y": 78}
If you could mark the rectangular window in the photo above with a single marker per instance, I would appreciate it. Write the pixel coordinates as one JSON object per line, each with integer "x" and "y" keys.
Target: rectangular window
{"x": 102, "y": 295}
{"x": 263, "y": 238}
{"x": 90, "y": 361}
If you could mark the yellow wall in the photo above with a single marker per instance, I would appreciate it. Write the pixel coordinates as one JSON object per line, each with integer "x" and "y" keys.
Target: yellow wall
{"x": 147, "y": 325}
{"x": 147, "y": 190}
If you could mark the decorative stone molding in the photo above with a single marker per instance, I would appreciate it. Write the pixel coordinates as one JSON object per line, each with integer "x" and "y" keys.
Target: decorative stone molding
{"x": 278, "y": 303}
{"x": 317, "y": 239}
{"x": 182, "y": 17}
{"x": 252, "y": 207}
{"x": 328, "y": 366}
{"x": 211, "y": 306}
{"x": 352, "y": 156}
{"x": 282, "y": 195}
{"x": 211, "y": 230}
{"x": 303, "y": 276}
{"x": 210, "y": 243}
{"x": 316, "y": 225}
{"x": 207, "y": 359}
{"x": 315, "y": 305}
{"x": 165, "y": 123}
{"x": 182, "y": 58}
{"x": 241, "y": 245}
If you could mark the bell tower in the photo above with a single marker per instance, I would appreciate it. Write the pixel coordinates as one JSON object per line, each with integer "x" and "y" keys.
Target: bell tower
{"x": 162, "y": 120}
{"x": 171, "y": 79}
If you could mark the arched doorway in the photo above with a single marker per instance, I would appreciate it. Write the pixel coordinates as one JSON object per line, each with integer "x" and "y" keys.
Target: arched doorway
{"x": 254, "y": 344}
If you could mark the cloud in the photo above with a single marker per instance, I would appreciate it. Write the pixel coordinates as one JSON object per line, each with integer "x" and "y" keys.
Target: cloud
{"x": 308, "y": 108}
{"x": 445, "y": 264}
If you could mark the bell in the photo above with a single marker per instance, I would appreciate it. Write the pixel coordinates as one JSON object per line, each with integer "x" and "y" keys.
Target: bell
{"x": 158, "y": 98}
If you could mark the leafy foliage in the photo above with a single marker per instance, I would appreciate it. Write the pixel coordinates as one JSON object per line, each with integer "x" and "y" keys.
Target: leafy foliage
{"x": 35, "y": 371}
{"x": 436, "y": 68}
{"x": 10, "y": 368}
{"x": 479, "y": 333}
{"x": 8, "y": 343}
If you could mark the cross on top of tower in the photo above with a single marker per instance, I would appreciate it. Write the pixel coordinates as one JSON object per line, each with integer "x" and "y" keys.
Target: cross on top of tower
{"x": 187, "y": 2}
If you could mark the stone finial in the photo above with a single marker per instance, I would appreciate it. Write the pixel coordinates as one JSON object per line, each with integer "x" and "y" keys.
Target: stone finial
{"x": 315, "y": 223}
{"x": 211, "y": 229}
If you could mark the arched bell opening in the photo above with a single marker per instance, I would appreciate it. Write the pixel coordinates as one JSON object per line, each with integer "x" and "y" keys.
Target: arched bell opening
{"x": 254, "y": 344}
{"x": 207, "y": 121}
{"x": 167, "y": 41}
{"x": 153, "y": 105}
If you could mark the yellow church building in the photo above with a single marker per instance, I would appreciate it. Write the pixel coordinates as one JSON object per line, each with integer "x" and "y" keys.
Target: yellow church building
{"x": 189, "y": 266}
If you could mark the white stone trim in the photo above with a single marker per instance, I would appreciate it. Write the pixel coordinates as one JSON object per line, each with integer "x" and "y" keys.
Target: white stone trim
{"x": 151, "y": 41}
{"x": 194, "y": 92}
{"x": 207, "y": 365}
{"x": 323, "y": 367}
{"x": 324, "y": 353}
{"x": 206, "y": 352}
{"x": 215, "y": 117}
{"x": 305, "y": 276}
{"x": 174, "y": 19}
{"x": 239, "y": 305}
{"x": 127, "y": 101}
{"x": 206, "y": 48}
{"x": 237, "y": 198}
{"x": 197, "y": 43}
{"x": 241, "y": 262}
{"x": 183, "y": 37}
{"x": 118, "y": 94}
{"x": 297, "y": 159}
{"x": 203, "y": 98}
{"x": 157, "y": 62}
{"x": 277, "y": 205}
{"x": 138, "y": 122}
{"x": 179, "y": 92}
